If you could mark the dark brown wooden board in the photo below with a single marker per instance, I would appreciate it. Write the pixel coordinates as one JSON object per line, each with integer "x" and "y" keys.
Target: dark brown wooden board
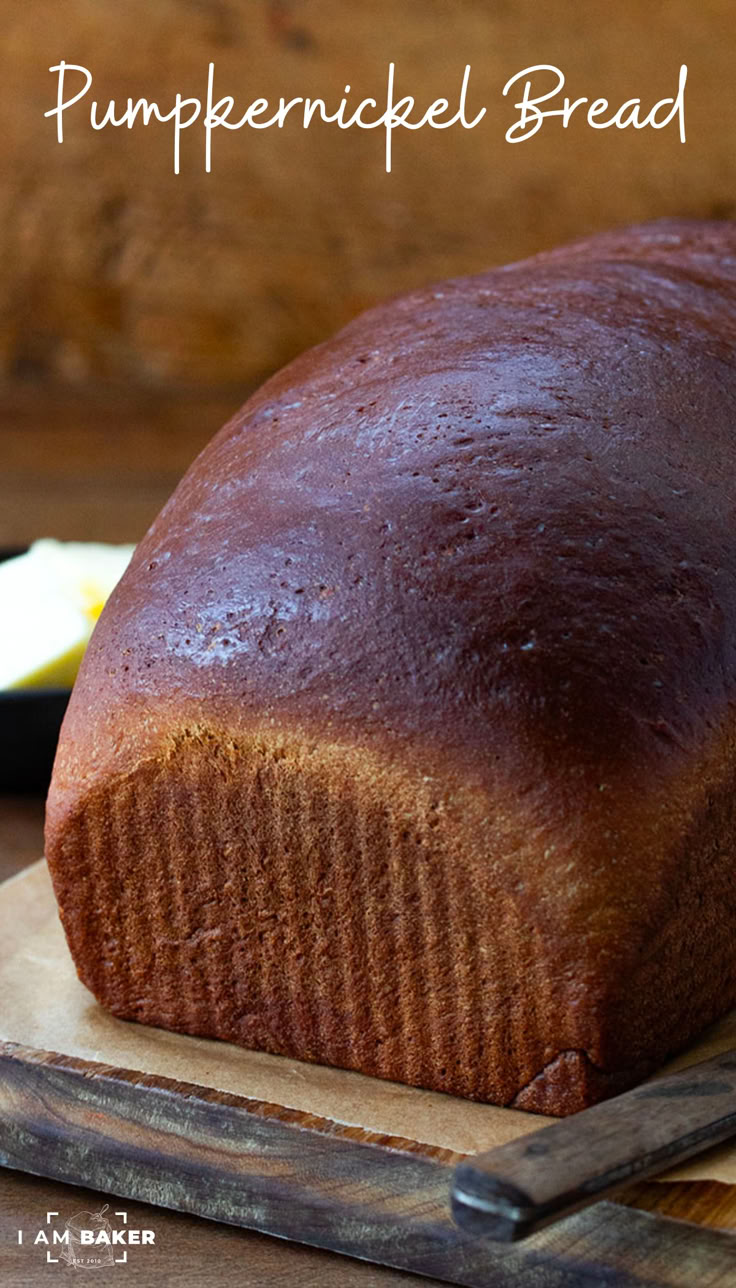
{"x": 309, "y": 1179}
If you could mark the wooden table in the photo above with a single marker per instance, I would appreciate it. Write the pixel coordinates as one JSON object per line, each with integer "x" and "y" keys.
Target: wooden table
{"x": 99, "y": 468}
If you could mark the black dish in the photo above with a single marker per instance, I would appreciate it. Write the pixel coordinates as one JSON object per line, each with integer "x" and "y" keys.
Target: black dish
{"x": 30, "y": 720}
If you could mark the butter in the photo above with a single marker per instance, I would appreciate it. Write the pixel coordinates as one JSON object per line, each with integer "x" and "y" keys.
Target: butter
{"x": 50, "y": 599}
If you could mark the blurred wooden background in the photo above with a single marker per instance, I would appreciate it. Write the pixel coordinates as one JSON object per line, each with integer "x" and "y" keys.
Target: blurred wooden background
{"x": 139, "y": 308}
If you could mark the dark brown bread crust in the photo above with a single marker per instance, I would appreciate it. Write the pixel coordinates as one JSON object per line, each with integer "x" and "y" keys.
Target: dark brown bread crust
{"x": 407, "y": 742}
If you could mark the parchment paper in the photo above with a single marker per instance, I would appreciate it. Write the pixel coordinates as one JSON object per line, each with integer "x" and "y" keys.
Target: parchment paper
{"x": 44, "y": 1005}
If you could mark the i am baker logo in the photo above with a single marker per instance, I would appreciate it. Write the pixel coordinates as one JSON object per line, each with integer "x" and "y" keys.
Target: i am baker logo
{"x": 87, "y": 1240}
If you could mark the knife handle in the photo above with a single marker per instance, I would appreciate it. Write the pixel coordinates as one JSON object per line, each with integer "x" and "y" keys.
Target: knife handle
{"x": 519, "y": 1187}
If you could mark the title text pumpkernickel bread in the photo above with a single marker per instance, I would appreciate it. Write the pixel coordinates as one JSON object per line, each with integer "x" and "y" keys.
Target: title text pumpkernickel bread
{"x": 540, "y": 89}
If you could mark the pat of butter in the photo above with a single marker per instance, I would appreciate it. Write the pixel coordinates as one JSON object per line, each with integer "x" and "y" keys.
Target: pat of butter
{"x": 50, "y": 598}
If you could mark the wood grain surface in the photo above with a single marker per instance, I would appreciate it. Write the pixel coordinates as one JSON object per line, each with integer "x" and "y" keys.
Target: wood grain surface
{"x": 114, "y": 269}
{"x": 187, "y": 1251}
{"x": 315, "y": 1181}
{"x": 96, "y": 466}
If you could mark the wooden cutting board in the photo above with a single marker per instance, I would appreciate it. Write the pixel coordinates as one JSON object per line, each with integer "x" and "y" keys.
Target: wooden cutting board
{"x": 308, "y": 1177}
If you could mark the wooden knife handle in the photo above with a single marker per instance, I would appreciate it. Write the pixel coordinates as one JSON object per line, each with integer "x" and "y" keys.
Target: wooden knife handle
{"x": 516, "y": 1188}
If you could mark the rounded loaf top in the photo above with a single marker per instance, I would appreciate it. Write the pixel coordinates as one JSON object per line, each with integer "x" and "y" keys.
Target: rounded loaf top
{"x": 493, "y": 518}
{"x": 405, "y": 744}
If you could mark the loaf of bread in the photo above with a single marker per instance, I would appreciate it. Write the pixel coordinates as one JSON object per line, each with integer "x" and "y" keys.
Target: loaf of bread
{"x": 407, "y": 743}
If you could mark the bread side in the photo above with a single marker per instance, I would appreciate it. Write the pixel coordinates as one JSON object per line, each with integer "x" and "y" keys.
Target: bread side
{"x": 406, "y": 743}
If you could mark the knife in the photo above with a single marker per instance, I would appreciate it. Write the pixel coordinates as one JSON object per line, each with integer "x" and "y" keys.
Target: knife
{"x": 516, "y": 1188}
